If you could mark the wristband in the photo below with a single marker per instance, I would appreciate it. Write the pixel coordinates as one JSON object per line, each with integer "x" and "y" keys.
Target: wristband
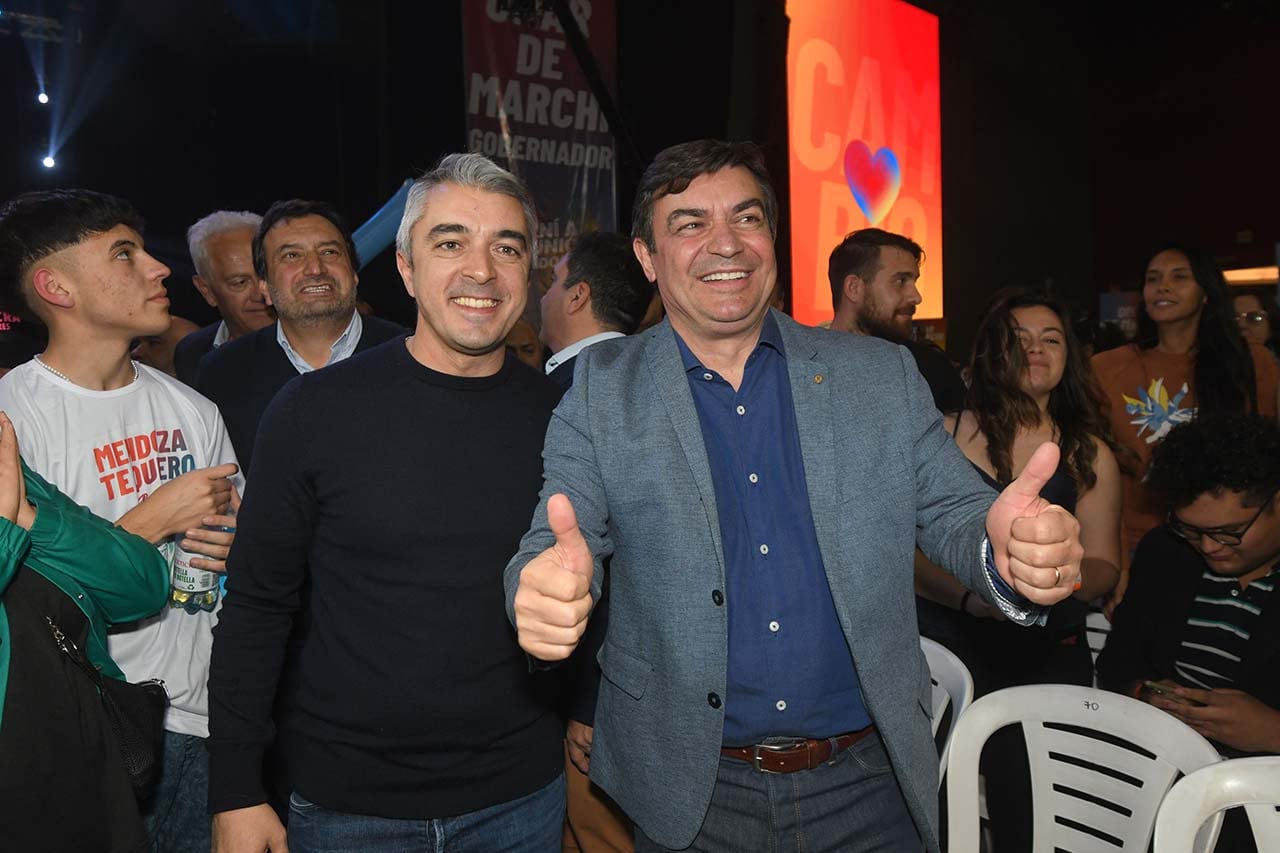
{"x": 964, "y": 599}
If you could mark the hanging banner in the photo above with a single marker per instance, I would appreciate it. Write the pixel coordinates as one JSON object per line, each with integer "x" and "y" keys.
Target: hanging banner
{"x": 865, "y": 138}
{"x": 530, "y": 108}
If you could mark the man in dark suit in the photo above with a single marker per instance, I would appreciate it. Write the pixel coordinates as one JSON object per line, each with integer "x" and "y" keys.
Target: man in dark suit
{"x": 305, "y": 262}
{"x": 598, "y": 292}
{"x": 760, "y": 487}
{"x": 221, "y": 246}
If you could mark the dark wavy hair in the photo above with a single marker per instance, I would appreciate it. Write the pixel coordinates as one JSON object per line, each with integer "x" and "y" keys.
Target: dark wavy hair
{"x": 1223, "y": 372}
{"x": 1001, "y": 407}
{"x": 1215, "y": 454}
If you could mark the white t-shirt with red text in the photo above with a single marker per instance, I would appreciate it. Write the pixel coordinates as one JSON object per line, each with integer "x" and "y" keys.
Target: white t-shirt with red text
{"x": 108, "y": 450}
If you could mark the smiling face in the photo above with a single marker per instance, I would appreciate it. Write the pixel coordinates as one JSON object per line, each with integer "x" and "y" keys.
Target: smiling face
{"x": 1170, "y": 291}
{"x": 1044, "y": 340}
{"x": 310, "y": 275}
{"x": 713, "y": 257}
{"x": 470, "y": 276}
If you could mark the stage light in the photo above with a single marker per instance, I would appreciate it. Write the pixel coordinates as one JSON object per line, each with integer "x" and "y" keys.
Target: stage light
{"x": 42, "y": 98}
{"x": 49, "y": 162}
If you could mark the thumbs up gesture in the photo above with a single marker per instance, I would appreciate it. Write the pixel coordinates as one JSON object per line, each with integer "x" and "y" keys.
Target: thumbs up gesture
{"x": 553, "y": 598}
{"x": 1036, "y": 544}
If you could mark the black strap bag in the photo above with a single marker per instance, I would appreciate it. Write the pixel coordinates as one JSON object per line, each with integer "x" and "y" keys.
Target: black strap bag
{"x": 134, "y": 713}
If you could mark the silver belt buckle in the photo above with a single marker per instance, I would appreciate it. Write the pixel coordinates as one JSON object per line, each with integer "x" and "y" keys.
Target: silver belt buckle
{"x": 789, "y": 743}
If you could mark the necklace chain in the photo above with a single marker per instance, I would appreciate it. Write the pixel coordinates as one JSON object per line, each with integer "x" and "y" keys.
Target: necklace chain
{"x": 58, "y": 373}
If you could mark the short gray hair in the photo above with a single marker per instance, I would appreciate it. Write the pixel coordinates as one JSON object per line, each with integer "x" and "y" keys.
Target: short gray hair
{"x": 475, "y": 171}
{"x": 218, "y": 222}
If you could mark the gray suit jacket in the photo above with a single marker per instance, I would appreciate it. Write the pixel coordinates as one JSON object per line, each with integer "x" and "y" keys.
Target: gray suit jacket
{"x": 626, "y": 446}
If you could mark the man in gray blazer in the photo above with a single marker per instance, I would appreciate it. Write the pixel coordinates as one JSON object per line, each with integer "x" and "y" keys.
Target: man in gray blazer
{"x": 761, "y": 486}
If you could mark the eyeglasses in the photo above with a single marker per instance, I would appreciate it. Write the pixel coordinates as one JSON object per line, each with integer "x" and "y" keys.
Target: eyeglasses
{"x": 1223, "y": 536}
{"x": 1251, "y": 317}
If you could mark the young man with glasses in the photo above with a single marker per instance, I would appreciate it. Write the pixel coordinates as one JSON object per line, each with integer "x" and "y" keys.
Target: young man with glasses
{"x": 1198, "y": 633}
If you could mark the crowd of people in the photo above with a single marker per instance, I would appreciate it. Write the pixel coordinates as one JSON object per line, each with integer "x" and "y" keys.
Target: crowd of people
{"x": 623, "y": 581}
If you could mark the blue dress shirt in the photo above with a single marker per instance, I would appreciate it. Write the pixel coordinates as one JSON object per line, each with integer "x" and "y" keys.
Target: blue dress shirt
{"x": 790, "y": 671}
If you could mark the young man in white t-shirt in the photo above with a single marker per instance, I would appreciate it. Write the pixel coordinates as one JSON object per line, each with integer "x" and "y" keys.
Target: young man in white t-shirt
{"x": 134, "y": 445}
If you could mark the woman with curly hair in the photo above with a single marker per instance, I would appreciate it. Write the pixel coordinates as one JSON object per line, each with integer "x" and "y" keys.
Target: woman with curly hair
{"x": 1188, "y": 358}
{"x": 1030, "y": 384}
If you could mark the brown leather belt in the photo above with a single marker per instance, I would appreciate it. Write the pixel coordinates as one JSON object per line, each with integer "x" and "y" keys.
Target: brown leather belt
{"x": 799, "y": 754}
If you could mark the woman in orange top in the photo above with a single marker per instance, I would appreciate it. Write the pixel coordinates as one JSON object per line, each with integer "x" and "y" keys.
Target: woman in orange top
{"x": 1188, "y": 356}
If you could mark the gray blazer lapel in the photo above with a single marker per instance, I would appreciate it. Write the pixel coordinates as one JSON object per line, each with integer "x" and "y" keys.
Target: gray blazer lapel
{"x": 810, "y": 396}
{"x": 673, "y": 386}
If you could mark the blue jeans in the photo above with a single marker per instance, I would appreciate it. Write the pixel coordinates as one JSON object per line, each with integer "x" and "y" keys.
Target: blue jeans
{"x": 177, "y": 816}
{"x": 531, "y": 824}
{"x": 851, "y": 803}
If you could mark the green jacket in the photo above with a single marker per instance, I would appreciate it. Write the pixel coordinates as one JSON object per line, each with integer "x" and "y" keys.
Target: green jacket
{"x": 112, "y": 575}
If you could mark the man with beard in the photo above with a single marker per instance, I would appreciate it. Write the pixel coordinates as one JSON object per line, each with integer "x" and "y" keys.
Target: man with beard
{"x": 873, "y": 277}
{"x": 305, "y": 261}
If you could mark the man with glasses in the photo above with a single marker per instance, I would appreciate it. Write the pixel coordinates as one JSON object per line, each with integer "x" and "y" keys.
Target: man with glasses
{"x": 1198, "y": 633}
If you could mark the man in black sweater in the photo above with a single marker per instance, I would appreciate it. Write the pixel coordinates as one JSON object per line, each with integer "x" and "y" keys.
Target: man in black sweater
{"x": 305, "y": 261}
{"x": 399, "y": 483}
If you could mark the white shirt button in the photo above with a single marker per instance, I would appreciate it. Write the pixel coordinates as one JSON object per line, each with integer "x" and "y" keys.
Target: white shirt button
{"x": 742, "y": 410}
{"x": 753, "y": 477}
{"x": 707, "y": 376}
{"x": 781, "y": 705}
{"x": 774, "y": 626}
{"x": 764, "y": 549}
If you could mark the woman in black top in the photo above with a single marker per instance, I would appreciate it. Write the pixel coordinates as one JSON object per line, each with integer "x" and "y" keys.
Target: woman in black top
{"x": 1030, "y": 385}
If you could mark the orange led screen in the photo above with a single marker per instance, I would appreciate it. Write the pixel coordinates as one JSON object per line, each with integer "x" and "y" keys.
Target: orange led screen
{"x": 866, "y": 150}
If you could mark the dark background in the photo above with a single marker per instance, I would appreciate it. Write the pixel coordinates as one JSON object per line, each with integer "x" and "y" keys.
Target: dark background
{"x": 1075, "y": 135}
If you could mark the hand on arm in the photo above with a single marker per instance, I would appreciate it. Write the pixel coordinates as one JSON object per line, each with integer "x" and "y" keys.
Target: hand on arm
{"x": 1036, "y": 544}
{"x": 553, "y": 599}
{"x": 255, "y": 829}
{"x": 181, "y": 504}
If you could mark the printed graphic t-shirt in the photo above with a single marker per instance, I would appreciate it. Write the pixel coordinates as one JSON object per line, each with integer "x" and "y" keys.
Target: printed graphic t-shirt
{"x": 108, "y": 450}
{"x": 1148, "y": 393}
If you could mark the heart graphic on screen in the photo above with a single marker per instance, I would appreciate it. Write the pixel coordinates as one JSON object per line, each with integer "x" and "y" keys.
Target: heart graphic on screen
{"x": 874, "y": 180}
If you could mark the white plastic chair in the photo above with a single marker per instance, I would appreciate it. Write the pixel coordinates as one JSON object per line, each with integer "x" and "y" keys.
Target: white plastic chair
{"x": 952, "y": 686}
{"x": 1100, "y": 764}
{"x": 1250, "y": 782}
{"x": 1096, "y": 628}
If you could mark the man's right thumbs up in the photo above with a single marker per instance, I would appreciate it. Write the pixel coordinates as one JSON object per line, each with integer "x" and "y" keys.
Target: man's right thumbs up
{"x": 553, "y": 599}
